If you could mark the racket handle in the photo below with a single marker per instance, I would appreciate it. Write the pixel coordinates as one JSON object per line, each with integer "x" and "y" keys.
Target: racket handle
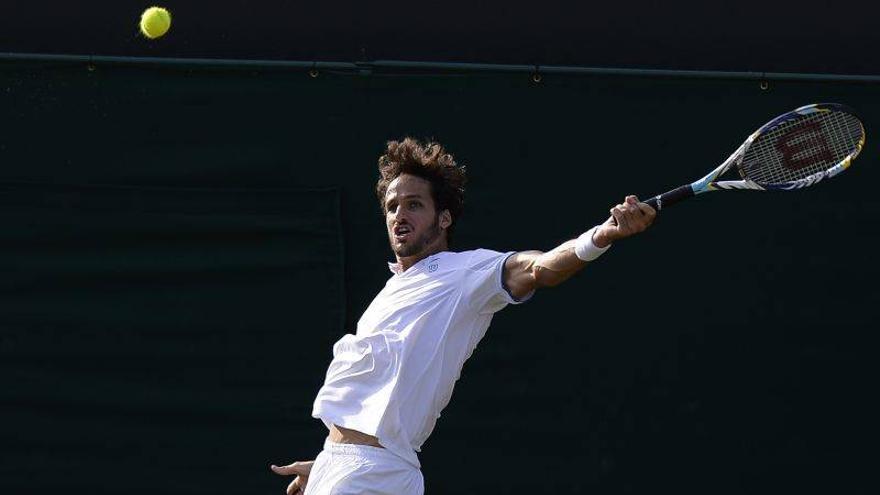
{"x": 669, "y": 198}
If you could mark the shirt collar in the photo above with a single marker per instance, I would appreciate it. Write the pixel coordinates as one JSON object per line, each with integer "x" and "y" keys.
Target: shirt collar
{"x": 395, "y": 268}
{"x": 398, "y": 270}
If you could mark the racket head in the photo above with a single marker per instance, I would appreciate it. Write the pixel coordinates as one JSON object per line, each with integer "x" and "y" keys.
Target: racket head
{"x": 802, "y": 147}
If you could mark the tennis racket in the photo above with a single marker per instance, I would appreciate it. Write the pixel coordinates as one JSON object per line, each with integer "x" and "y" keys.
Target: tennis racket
{"x": 792, "y": 151}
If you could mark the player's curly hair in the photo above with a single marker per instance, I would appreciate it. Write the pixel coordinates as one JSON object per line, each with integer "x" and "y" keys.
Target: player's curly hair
{"x": 431, "y": 162}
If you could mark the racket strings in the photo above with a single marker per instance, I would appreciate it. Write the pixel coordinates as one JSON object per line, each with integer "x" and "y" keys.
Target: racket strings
{"x": 799, "y": 148}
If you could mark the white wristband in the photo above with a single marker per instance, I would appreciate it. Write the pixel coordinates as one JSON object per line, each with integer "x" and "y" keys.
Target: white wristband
{"x": 584, "y": 247}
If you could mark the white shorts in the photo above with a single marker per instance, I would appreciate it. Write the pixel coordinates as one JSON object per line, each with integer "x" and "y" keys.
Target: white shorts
{"x": 346, "y": 469}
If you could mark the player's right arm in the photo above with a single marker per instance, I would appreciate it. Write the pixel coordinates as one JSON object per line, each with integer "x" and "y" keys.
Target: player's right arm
{"x": 301, "y": 469}
{"x": 527, "y": 271}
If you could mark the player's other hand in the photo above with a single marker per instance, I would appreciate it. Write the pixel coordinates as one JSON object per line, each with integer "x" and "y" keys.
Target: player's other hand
{"x": 301, "y": 470}
{"x": 628, "y": 218}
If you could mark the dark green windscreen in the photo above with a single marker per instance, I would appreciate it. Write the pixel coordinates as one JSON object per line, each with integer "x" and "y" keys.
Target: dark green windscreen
{"x": 173, "y": 278}
{"x": 150, "y": 335}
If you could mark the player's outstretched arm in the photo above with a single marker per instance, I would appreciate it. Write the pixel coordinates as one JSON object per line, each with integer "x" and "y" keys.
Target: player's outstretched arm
{"x": 301, "y": 470}
{"x": 529, "y": 270}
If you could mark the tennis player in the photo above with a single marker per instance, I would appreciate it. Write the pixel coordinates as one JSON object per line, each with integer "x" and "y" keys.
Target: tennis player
{"x": 387, "y": 384}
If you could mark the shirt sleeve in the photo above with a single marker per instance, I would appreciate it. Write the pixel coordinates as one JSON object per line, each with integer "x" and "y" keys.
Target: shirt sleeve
{"x": 484, "y": 281}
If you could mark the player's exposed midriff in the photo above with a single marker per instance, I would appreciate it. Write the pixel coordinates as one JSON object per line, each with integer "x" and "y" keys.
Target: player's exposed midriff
{"x": 339, "y": 434}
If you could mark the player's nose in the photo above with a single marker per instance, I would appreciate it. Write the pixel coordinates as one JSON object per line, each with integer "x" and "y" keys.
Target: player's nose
{"x": 401, "y": 216}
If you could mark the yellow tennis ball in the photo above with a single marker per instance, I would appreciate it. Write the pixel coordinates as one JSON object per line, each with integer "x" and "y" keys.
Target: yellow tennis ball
{"x": 155, "y": 22}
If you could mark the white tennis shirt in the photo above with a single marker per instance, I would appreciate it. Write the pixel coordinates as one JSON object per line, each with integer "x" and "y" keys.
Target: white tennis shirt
{"x": 394, "y": 376}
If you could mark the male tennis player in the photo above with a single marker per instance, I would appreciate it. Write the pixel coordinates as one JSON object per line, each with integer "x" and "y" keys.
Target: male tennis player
{"x": 387, "y": 384}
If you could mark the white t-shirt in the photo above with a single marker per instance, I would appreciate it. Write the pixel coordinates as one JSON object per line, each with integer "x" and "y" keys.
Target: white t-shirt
{"x": 392, "y": 378}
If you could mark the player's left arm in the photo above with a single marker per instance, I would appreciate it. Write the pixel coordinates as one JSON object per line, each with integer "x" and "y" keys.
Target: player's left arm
{"x": 529, "y": 270}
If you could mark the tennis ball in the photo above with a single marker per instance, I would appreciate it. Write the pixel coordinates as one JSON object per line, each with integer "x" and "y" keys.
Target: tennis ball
{"x": 155, "y": 22}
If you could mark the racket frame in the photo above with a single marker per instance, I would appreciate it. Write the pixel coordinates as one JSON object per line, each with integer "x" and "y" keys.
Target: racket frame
{"x": 710, "y": 183}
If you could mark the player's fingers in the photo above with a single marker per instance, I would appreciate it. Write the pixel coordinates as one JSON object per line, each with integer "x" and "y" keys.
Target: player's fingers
{"x": 647, "y": 210}
{"x": 298, "y": 467}
{"x": 632, "y": 203}
{"x": 620, "y": 217}
{"x": 635, "y": 222}
{"x": 629, "y": 208}
{"x": 295, "y": 487}
{"x": 626, "y": 208}
{"x": 640, "y": 209}
{"x": 634, "y": 219}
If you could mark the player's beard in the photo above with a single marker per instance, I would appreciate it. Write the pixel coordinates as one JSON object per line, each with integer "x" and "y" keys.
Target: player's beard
{"x": 428, "y": 237}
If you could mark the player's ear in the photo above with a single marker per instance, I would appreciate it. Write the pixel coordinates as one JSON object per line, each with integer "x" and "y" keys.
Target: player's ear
{"x": 445, "y": 219}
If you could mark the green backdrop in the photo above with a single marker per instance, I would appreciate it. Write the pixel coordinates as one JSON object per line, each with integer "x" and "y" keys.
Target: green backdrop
{"x": 181, "y": 244}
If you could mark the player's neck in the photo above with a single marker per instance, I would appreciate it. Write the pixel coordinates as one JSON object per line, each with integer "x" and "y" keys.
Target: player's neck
{"x": 431, "y": 250}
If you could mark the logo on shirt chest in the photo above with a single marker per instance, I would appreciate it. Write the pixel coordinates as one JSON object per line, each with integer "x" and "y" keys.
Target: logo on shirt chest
{"x": 432, "y": 267}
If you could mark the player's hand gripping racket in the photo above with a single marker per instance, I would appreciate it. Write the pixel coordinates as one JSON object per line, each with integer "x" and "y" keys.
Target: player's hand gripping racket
{"x": 794, "y": 150}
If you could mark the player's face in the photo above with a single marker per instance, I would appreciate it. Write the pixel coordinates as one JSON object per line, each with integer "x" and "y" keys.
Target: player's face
{"x": 414, "y": 226}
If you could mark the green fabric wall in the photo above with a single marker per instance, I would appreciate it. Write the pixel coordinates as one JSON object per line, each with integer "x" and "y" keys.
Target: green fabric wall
{"x": 172, "y": 239}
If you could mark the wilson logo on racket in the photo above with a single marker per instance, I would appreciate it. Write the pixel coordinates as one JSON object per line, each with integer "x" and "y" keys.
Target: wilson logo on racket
{"x": 804, "y": 145}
